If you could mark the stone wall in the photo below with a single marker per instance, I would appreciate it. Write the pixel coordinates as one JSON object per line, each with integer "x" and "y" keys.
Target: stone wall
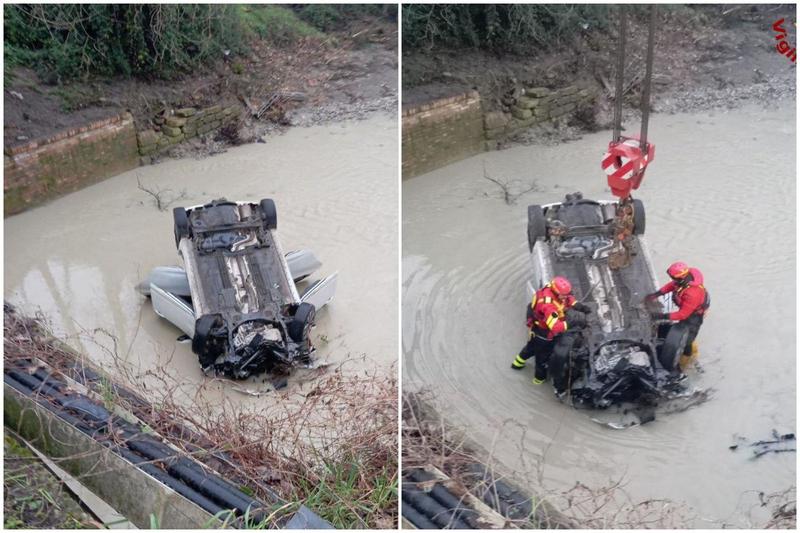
{"x": 532, "y": 106}
{"x": 441, "y": 132}
{"x": 176, "y": 126}
{"x": 44, "y": 168}
{"x": 449, "y": 129}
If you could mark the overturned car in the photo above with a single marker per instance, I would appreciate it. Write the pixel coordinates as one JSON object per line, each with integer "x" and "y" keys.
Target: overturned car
{"x": 618, "y": 354}
{"x": 237, "y": 297}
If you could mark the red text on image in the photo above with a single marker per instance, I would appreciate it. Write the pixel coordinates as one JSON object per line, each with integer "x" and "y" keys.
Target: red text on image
{"x": 783, "y": 45}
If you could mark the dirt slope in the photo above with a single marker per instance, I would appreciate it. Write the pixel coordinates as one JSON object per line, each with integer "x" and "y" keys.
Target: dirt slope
{"x": 340, "y": 75}
{"x": 715, "y": 56}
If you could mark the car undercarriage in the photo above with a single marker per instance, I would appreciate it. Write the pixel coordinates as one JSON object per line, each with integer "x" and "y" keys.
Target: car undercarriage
{"x": 618, "y": 353}
{"x": 237, "y": 296}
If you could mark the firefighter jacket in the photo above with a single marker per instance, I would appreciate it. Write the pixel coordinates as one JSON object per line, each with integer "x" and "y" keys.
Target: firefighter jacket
{"x": 692, "y": 298}
{"x": 546, "y": 316}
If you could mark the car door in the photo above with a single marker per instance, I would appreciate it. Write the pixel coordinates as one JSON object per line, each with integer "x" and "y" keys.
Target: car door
{"x": 173, "y": 309}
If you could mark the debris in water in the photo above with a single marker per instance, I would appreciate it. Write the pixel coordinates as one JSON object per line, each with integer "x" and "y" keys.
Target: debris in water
{"x": 683, "y": 402}
{"x": 640, "y": 415}
{"x": 616, "y": 425}
{"x": 780, "y": 443}
{"x": 250, "y": 392}
{"x": 627, "y": 418}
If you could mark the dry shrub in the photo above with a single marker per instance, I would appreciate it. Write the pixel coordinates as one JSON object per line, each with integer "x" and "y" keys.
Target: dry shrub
{"x": 333, "y": 446}
{"x": 230, "y": 133}
{"x": 429, "y": 440}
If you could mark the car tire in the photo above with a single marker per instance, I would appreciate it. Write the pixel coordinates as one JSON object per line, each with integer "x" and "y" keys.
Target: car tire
{"x": 181, "y": 227}
{"x": 673, "y": 346}
{"x": 558, "y": 365}
{"x": 270, "y": 214}
{"x": 537, "y": 226}
{"x": 202, "y": 342}
{"x": 638, "y": 217}
{"x": 302, "y": 322}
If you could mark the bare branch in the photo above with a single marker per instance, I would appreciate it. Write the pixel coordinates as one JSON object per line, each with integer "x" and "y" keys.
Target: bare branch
{"x": 509, "y": 197}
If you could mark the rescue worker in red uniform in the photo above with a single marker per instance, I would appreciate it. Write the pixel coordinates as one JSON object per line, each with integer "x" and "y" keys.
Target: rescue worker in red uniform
{"x": 546, "y": 321}
{"x": 692, "y": 299}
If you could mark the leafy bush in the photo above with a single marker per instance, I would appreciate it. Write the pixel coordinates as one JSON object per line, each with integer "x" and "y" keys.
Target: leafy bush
{"x": 325, "y": 17}
{"x": 275, "y": 23}
{"x": 330, "y": 17}
{"x": 67, "y": 41}
{"x": 514, "y": 28}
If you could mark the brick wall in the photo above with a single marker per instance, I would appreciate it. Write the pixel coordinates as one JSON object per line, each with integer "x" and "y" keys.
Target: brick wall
{"x": 441, "y": 132}
{"x": 44, "y": 168}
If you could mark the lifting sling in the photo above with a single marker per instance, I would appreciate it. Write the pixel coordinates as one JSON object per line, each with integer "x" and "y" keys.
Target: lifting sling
{"x": 627, "y": 157}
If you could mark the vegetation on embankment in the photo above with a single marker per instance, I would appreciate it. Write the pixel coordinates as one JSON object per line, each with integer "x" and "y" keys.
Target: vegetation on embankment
{"x": 510, "y": 28}
{"x": 429, "y": 439}
{"x": 331, "y": 445}
{"x": 34, "y": 497}
{"x": 706, "y": 56}
{"x": 65, "y": 42}
{"x": 527, "y": 29}
{"x": 65, "y": 68}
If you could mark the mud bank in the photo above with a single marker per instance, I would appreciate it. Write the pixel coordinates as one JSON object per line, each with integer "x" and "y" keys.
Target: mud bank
{"x": 719, "y": 195}
{"x": 79, "y": 258}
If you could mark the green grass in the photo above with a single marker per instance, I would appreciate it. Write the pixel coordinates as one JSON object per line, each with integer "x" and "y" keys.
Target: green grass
{"x": 275, "y": 23}
{"x": 341, "y": 497}
{"x": 107, "y": 392}
{"x": 75, "y": 98}
{"x": 33, "y": 497}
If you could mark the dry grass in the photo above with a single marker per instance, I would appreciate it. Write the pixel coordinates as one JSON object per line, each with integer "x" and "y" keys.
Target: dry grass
{"x": 332, "y": 447}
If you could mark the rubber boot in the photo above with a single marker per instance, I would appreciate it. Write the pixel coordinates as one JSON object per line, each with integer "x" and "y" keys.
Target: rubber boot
{"x": 687, "y": 360}
{"x": 537, "y": 381}
{"x": 518, "y": 363}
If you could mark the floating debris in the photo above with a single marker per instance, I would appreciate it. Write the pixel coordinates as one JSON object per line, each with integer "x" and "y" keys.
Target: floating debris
{"x": 631, "y": 416}
{"x": 780, "y": 443}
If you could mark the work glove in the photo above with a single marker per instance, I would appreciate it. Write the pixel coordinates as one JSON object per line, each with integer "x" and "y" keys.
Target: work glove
{"x": 660, "y": 316}
{"x": 652, "y": 296}
{"x": 575, "y": 318}
{"x": 529, "y": 322}
{"x": 582, "y": 307}
{"x": 576, "y": 321}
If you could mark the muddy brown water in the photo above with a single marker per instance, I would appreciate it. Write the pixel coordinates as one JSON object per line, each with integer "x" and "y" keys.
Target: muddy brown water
{"x": 79, "y": 258}
{"x": 719, "y": 195}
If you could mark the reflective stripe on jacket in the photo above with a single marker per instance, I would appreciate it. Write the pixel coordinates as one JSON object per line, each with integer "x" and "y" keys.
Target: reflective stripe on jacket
{"x": 548, "y": 312}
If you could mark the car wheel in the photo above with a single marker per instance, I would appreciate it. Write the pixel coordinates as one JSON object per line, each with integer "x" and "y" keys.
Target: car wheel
{"x": 638, "y": 217}
{"x": 302, "y": 322}
{"x": 270, "y": 214}
{"x": 673, "y": 346}
{"x": 558, "y": 365}
{"x": 537, "y": 227}
{"x": 204, "y": 344}
{"x": 182, "y": 228}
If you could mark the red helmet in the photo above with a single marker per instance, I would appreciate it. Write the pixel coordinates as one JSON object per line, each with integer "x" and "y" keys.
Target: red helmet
{"x": 678, "y": 270}
{"x": 561, "y": 286}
